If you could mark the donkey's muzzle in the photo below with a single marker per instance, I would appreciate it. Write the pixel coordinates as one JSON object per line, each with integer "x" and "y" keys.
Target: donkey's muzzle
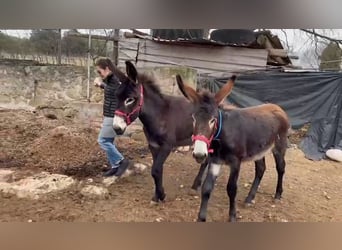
{"x": 119, "y": 125}
{"x": 119, "y": 131}
{"x": 199, "y": 157}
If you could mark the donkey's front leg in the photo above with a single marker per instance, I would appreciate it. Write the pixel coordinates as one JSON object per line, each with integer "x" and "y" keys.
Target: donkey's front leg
{"x": 232, "y": 188}
{"x": 157, "y": 172}
{"x": 208, "y": 186}
{"x": 198, "y": 180}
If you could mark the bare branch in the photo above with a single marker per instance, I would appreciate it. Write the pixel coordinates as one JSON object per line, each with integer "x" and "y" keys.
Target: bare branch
{"x": 322, "y": 36}
{"x": 316, "y": 42}
{"x": 287, "y": 41}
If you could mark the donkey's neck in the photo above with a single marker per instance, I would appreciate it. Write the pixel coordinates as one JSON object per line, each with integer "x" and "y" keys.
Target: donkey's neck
{"x": 153, "y": 106}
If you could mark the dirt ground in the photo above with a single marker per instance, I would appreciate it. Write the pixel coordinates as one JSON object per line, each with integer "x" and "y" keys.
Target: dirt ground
{"x": 30, "y": 144}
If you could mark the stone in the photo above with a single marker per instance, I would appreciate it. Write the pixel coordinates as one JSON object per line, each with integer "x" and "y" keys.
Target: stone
{"x": 6, "y": 175}
{"x": 94, "y": 191}
{"x": 34, "y": 186}
{"x": 334, "y": 154}
{"x": 59, "y": 131}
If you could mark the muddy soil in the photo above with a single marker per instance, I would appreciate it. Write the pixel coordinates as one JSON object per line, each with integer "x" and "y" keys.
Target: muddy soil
{"x": 32, "y": 143}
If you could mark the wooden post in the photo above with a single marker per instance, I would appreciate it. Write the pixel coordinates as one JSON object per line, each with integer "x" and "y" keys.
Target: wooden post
{"x": 88, "y": 66}
{"x": 59, "y": 47}
{"x": 116, "y": 47}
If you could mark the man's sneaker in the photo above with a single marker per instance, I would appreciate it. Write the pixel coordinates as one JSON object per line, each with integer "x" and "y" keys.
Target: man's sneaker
{"x": 122, "y": 167}
{"x": 110, "y": 172}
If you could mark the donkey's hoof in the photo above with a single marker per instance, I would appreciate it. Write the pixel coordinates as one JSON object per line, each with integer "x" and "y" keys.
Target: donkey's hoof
{"x": 277, "y": 200}
{"x": 232, "y": 219}
{"x": 249, "y": 203}
{"x": 196, "y": 186}
{"x": 201, "y": 219}
{"x": 192, "y": 192}
{"x": 156, "y": 201}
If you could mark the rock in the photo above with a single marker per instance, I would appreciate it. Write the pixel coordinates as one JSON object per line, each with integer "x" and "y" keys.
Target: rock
{"x": 334, "y": 154}
{"x": 137, "y": 168}
{"x": 50, "y": 116}
{"x": 27, "y": 70}
{"x": 325, "y": 194}
{"x": 109, "y": 181}
{"x": 34, "y": 186}
{"x": 246, "y": 185}
{"x": 59, "y": 131}
{"x": 159, "y": 219}
{"x": 181, "y": 186}
{"x": 6, "y": 175}
{"x": 183, "y": 149}
{"x": 94, "y": 191}
{"x": 70, "y": 112}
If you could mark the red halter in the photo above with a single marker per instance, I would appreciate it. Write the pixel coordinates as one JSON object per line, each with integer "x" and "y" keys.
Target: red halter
{"x": 137, "y": 109}
{"x": 214, "y": 135}
{"x": 205, "y": 139}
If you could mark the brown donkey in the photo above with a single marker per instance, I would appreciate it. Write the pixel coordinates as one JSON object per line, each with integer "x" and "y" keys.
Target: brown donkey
{"x": 233, "y": 135}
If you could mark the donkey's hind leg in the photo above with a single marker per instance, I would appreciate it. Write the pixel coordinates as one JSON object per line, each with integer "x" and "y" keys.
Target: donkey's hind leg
{"x": 232, "y": 188}
{"x": 260, "y": 167}
{"x": 279, "y": 157}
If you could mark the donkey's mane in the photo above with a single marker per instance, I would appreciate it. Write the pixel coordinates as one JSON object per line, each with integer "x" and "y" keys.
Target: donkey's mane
{"x": 207, "y": 97}
{"x": 149, "y": 82}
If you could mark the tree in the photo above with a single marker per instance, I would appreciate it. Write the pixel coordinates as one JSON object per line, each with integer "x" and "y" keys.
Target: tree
{"x": 331, "y": 57}
{"x": 308, "y": 44}
{"x": 74, "y": 46}
{"x": 45, "y": 41}
{"x": 15, "y": 46}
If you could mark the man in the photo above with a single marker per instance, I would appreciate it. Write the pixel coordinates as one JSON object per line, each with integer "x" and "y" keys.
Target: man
{"x": 109, "y": 83}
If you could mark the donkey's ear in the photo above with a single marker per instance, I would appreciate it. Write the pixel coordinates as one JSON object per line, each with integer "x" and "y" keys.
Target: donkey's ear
{"x": 225, "y": 90}
{"x": 131, "y": 71}
{"x": 119, "y": 74}
{"x": 187, "y": 91}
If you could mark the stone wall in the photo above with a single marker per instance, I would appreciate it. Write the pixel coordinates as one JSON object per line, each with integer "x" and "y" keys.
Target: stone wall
{"x": 60, "y": 92}
{"x": 50, "y": 85}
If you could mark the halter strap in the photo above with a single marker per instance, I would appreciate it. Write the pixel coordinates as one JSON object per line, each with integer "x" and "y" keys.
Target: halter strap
{"x": 218, "y": 132}
{"x": 212, "y": 137}
{"x": 137, "y": 109}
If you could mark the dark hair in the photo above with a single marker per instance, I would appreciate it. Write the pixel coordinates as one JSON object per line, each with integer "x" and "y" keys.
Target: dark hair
{"x": 104, "y": 62}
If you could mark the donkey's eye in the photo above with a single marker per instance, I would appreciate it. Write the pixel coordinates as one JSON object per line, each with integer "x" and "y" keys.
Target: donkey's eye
{"x": 212, "y": 121}
{"x": 129, "y": 101}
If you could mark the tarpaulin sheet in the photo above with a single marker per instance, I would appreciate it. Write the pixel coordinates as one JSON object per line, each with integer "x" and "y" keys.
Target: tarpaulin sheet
{"x": 307, "y": 97}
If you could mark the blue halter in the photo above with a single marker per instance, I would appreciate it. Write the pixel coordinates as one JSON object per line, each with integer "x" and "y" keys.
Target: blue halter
{"x": 218, "y": 132}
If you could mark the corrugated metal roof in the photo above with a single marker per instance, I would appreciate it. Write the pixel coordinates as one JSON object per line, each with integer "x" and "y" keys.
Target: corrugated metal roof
{"x": 273, "y": 41}
{"x": 205, "y": 58}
